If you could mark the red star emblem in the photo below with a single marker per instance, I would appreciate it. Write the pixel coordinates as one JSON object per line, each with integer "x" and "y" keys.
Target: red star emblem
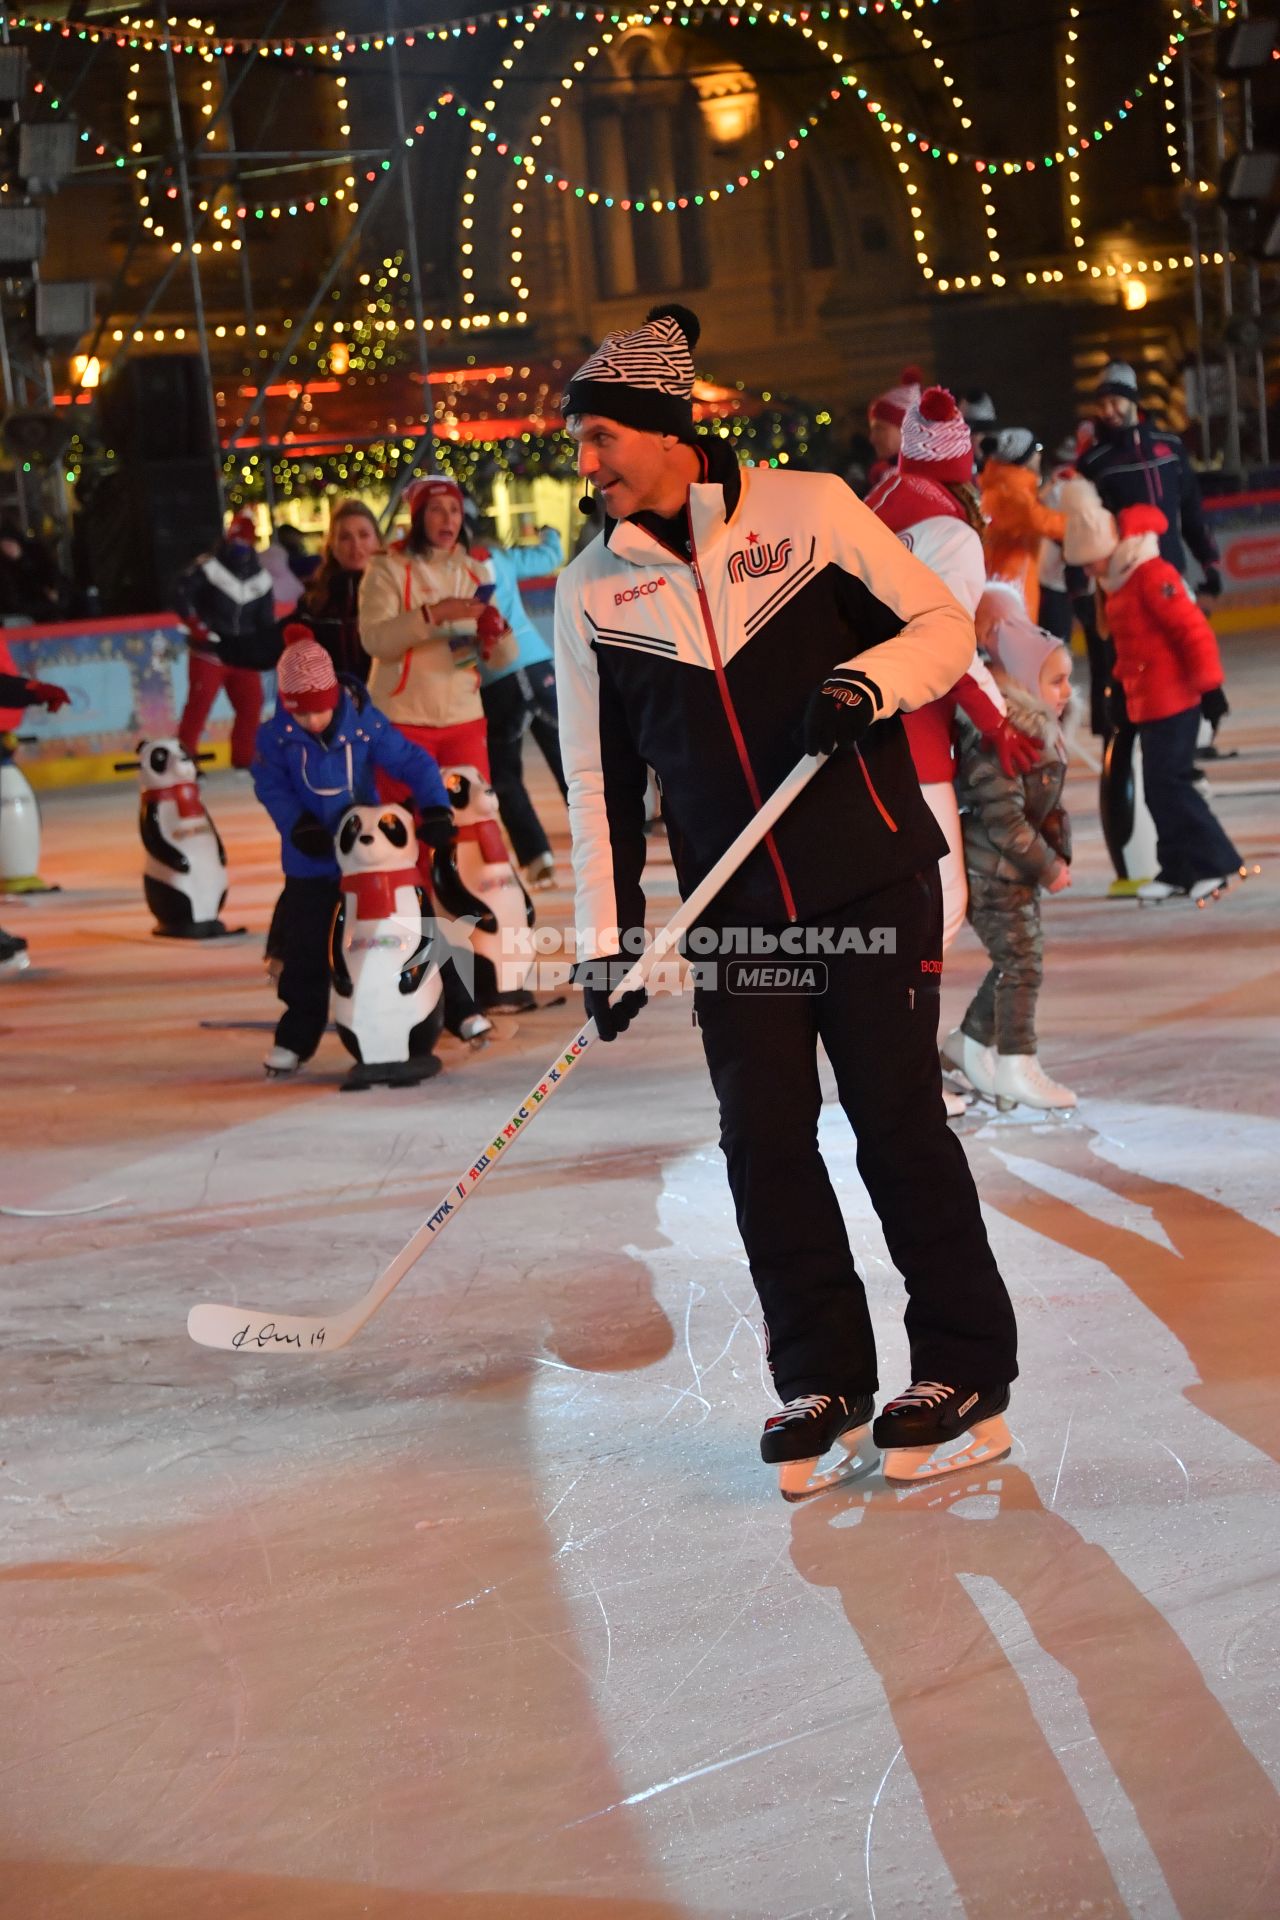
{"x": 753, "y": 536}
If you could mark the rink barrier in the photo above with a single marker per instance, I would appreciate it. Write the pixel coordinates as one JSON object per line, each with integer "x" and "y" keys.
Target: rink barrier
{"x": 127, "y": 678}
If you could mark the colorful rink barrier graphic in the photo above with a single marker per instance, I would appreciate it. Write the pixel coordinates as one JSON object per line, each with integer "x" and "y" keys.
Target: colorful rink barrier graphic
{"x": 127, "y": 678}
{"x": 1246, "y": 527}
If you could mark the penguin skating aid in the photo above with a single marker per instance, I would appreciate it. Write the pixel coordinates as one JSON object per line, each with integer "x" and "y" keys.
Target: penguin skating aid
{"x": 251, "y": 1329}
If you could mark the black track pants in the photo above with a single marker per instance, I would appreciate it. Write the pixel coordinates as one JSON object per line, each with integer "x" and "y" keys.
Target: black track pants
{"x": 300, "y": 936}
{"x": 877, "y": 1020}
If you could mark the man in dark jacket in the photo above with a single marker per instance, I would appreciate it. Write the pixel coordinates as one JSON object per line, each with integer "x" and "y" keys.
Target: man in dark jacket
{"x": 1132, "y": 462}
{"x": 227, "y": 601}
{"x": 727, "y": 621}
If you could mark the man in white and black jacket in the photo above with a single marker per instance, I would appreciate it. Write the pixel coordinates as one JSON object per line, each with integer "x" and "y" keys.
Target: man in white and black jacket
{"x": 726, "y": 621}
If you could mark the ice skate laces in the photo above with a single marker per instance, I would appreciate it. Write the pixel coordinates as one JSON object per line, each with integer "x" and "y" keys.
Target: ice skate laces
{"x": 921, "y": 1393}
{"x": 806, "y": 1407}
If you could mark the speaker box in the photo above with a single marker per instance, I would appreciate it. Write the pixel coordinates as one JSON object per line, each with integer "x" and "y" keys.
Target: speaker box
{"x": 155, "y": 408}
{"x": 142, "y": 527}
{"x": 21, "y": 236}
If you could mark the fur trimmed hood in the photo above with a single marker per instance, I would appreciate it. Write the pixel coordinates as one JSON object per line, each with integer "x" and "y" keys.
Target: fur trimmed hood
{"x": 1030, "y": 715}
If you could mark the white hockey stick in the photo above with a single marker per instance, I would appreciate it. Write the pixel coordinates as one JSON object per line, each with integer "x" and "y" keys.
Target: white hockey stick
{"x": 248, "y": 1329}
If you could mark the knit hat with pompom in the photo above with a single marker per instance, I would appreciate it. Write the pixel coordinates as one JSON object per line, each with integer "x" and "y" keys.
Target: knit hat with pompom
{"x": 891, "y": 406}
{"x": 936, "y": 441}
{"x": 643, "y": 378}
{"x": 305, "y": 678}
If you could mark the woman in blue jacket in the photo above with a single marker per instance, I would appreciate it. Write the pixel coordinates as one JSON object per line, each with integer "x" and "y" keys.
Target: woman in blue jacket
{"x": 316, "y": 756}
{"x": 522, "y": 695}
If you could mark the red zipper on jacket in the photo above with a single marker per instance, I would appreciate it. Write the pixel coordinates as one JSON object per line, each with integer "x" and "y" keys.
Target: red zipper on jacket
{"x": 735, "y": 728}
{"x": 881, "y": 808}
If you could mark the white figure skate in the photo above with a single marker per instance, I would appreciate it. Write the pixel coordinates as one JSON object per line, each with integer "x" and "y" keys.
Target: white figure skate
{"x": 1020, "y": 1080}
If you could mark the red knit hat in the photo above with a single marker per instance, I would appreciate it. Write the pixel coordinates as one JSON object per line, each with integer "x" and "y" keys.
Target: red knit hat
{"x": 892, "y": 405}
{"x": 241, "y": 527}
{"x": 434, "y": 487}
{"x": 936, "y": 438}
{"x": 305, "y": 679}
{"x": 1140, "y": 518}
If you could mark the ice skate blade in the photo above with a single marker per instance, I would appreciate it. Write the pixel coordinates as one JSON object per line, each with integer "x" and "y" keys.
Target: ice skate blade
{"x": 985, "y": 1442}
{"x": 797, "y": 1480}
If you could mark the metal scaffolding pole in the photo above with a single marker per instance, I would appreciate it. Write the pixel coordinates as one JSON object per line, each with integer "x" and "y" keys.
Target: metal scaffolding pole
{"x": 197, "y": 289}
{"x": 303, "y": 327}
{"x": 1197, "y": 272}
{"x": 1234, "y": 459}
{"x": 425, "y": 450}
{"x": 1253, "y": 279}
{"x": 246, "y": 293}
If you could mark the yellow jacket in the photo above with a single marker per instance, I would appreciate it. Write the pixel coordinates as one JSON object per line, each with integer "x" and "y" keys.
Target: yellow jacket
{"x": 424, "y": 676}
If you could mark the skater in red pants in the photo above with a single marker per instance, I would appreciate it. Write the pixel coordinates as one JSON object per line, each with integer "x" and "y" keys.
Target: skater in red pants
{"x": 227, "y": 604}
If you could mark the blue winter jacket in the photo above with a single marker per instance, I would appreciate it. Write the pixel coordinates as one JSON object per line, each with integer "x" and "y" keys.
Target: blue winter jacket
{"x": 510, "y": 566}
{"x": 297, "y": 773}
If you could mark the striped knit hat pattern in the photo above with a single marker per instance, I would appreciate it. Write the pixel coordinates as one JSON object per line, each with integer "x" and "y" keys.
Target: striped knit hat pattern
{"x": 936, "y": 441}
{"x": 305, "y": 678}
{"x": 891, "y": 406}
{"x": 641, "y": 379}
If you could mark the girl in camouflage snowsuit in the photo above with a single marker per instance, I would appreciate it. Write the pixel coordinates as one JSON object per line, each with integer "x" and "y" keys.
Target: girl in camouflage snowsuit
{"x": 1017, "y": 843}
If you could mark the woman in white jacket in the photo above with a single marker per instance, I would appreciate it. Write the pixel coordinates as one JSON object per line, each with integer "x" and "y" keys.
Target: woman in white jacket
{"x": 426, "y": 622}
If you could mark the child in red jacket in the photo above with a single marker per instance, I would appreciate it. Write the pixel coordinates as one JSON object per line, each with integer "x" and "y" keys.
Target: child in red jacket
{"x": 1167, "y": 664}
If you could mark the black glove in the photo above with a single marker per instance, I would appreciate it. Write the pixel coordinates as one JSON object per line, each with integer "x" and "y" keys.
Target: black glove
{"x": 1213, "y": 705}
{"x": 436, "y": 826}
{"x": 311, "y": 836}
{"x": 1211, "y": 585}
{"x": 597, "y": 978}
{"x": 840, "y": 712}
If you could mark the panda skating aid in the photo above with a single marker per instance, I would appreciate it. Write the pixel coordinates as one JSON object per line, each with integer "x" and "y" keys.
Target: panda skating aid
{"x": 387, "y": 990}
{"x": 184, "y": 869}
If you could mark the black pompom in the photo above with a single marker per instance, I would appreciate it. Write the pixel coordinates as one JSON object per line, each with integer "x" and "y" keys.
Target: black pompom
{"x": 688, "y": 322}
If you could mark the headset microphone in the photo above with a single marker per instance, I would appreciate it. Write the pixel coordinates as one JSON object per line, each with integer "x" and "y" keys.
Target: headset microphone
{"x": 587, "y": 504}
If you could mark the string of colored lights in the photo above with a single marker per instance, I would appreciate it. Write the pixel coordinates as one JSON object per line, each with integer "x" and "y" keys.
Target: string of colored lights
{"x": 691, "y": 17}
{"x": 985, "y": 188}
{"x": 514, "y": 270}
{"x": 1074, "y": 224}
{"x": 1172, "y": 148}
{"x": 153, "y": 36}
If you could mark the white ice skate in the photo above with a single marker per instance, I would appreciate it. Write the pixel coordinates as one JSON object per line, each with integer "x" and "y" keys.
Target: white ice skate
{"x": 280, "y": 1063}
{"x": 955, "y": 1103}
{"x": 1157, "y": 893}
{"x": 933, "y": 1429}
{"x": 540, "y": 874}
{"x": 976, "y": 1062}
{"x": 1205, "y": 892}
{"x": 795, "y": 1439}
{"x": 1022, "y": 1081}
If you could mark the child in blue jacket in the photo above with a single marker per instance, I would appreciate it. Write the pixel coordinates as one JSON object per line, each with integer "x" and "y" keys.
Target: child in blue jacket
{"x": 316, "y": 756}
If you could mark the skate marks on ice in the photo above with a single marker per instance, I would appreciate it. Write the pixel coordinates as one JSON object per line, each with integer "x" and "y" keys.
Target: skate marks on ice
{"x": 1204, "y": 1267}
{"x": 305, "y": 1680}
{"x": 1065, "y": 1746}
